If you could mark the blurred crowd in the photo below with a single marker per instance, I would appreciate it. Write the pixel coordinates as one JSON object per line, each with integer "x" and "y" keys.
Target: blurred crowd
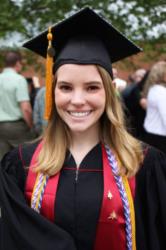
{"x": 22, "y": 102}
{"x": 144, "y": 102}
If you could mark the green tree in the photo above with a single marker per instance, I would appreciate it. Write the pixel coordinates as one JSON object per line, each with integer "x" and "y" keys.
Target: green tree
{"x": 10, "y": 18}
{"x": 136, "y": 18}
{"x": 145, "y": 14}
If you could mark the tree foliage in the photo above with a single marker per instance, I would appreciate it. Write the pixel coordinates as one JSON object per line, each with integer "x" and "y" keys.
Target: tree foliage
{"x": 138, "y": 19}
{"x": 10, "y": 19}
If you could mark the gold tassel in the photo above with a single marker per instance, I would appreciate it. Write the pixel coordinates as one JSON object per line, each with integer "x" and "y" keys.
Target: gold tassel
{"x": 49, "y": 76}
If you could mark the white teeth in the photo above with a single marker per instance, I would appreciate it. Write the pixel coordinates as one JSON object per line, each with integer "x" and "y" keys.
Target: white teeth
{"x": 79, "y": 114}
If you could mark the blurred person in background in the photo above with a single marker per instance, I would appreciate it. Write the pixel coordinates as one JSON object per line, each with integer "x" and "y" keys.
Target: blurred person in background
{"x": 119, "y": 83}
{"x": 38, "y": 112}
{"x": 33, "y": 88}
{"x": 15, "y": 107}
{"x": 138, "y": 75}
{"x": 154, "y": 101}
{"x": 131, "y": 97}
{"x": 134, "y": 78}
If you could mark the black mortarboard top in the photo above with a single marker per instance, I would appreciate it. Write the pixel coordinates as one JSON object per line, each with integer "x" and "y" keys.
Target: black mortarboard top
{"x": 84, "y": 38}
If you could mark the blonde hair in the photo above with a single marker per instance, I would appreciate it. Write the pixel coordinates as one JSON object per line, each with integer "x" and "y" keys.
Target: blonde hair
{"x": 113, "y": 132}
{"x": 157, "y": 75}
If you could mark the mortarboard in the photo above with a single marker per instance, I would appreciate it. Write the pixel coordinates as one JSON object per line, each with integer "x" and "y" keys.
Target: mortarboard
{"x": 83, "y": 38}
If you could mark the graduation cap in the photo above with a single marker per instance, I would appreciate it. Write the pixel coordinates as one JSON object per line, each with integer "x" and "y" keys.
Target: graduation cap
{"x": 83, "y": 38}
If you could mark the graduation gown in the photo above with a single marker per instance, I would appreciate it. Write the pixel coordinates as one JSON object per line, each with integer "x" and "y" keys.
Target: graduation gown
{"x": 78, "y": 203}
{"x": 158, "y": 141}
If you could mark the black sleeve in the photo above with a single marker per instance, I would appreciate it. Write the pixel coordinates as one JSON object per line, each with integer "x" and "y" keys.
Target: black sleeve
{"x": 21, "y": 227}
{"x": 150, "y": 202}
{"x": 12, "y": 165}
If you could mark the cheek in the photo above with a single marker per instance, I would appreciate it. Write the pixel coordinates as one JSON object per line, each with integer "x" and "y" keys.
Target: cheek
{"x": 62, "y": 101}
{"x": 59, "y": 98}
{"x": 99, "y": 100}
{"x": 58, "y": 101}
{"x": 103, "y": 100}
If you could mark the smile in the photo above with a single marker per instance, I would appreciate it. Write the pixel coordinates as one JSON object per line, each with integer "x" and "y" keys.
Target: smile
{"x": 79, "y": 114}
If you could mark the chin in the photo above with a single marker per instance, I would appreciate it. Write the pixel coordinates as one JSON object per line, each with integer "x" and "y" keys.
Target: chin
{"x": 77, "y": 129}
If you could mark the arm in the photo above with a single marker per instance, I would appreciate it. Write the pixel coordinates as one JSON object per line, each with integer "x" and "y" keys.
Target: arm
{"x": 150, "y": 202}
{"x": 143, "y": 103}
{"x": 22, "y": 97}
{"x": 19, "y": 221}
{"x": 27, "y": 112}
{"x": 161, "y": 102}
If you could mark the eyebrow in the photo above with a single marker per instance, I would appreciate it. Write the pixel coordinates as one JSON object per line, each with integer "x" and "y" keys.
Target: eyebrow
{"x": 86, "y": 83}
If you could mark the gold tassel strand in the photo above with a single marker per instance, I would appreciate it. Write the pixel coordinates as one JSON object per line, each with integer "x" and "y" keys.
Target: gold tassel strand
{"x": 49, "y": 76}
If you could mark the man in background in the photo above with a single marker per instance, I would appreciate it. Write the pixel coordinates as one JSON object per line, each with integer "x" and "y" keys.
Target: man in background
{"x": 15, "y": 108}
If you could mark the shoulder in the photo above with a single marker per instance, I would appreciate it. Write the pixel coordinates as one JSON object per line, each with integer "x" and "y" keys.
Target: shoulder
{"x": 151, "y": 180}
{"x": 19, "y": 157}
{"x": 150, "y": 202}
{"x": 40, "y": 93}
{"x": 11, "y": 168}
{"x": 157, "y": 90}
{"x": 26, "y": 152}
{"x": 19, "y": 79}
{"x": 14, "y": 164}
{"x": 42, "y": 90}
{"x": 10, "y": 159}
{"x": 154, "y": 163}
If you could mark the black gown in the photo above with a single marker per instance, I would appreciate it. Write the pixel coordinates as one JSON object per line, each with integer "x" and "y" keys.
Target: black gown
{"x": 78, "y": 203}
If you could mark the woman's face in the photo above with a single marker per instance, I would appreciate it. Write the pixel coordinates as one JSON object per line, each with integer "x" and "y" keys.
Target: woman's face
{"x": 80, "y": 97}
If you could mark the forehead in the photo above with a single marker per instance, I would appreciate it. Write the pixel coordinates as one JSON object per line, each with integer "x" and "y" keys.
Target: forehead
{"x": 72, "y": 72}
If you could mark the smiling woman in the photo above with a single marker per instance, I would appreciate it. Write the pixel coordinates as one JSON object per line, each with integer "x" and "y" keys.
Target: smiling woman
{"x": 87, "y": 184}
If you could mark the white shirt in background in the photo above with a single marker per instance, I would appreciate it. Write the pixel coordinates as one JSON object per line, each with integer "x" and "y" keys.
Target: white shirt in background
{"x": 155, "y": 120}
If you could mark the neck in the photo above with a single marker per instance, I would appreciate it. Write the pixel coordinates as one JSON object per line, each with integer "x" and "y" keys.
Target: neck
{"x": 85, "y": 138}
{"x": 12, "y": 68}
{"x": 16, "y": 69}
{"x": 82, "y": 143}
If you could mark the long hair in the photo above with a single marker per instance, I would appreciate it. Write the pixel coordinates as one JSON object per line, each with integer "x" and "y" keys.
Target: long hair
{"x": 157, "y": 75}
{"x": 114, "y": 133}
{"x": 57, "y": 138}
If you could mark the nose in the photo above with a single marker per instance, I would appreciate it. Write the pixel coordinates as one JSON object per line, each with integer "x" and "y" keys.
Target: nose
{"x": 78, "y": 97}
